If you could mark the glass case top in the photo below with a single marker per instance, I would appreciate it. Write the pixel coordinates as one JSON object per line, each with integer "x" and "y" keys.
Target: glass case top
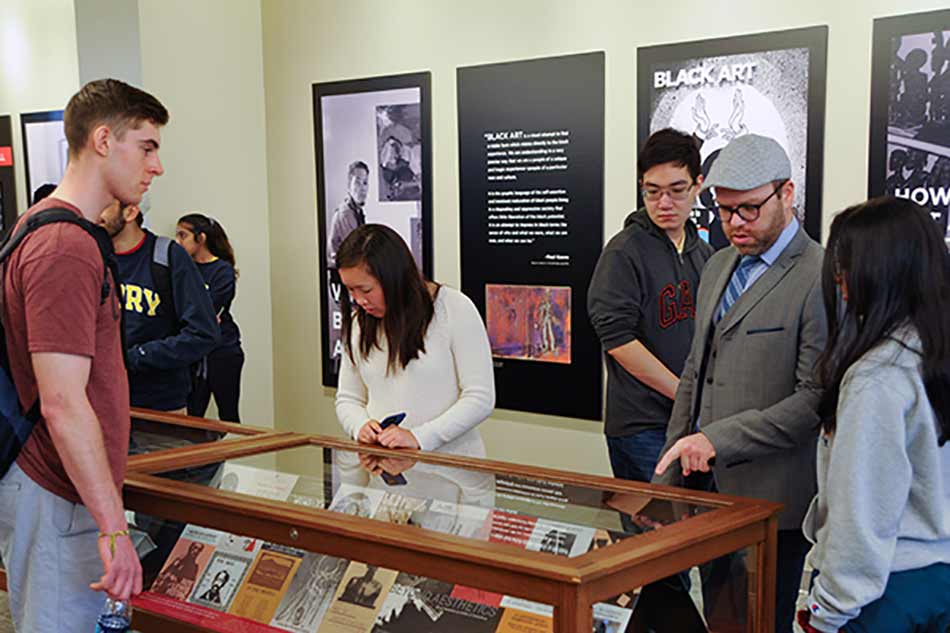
{"x": 564, "y": 519}
{"x": 148, "y": 436}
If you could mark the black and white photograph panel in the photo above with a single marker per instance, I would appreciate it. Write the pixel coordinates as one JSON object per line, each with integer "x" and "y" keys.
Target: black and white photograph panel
{"x": 373, "y": 167}
{"x": 910, "y": 112}
{"x": 399, "y": 143}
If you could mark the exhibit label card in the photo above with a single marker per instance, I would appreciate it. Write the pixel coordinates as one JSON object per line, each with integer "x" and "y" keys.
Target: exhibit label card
{"x": 531, "y": 171}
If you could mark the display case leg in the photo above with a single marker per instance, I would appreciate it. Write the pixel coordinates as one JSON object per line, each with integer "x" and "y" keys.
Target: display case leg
{"x": 575, "y": 613}
{"x": 767, "y": 567}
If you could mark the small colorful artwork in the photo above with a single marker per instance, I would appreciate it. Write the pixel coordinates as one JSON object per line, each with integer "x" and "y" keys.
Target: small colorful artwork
{"x": 529, "y": 322}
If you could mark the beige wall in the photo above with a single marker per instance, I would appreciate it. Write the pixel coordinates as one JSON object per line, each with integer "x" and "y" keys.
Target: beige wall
{"x": 107, "y": 34}
{"x": 203, "y": 60}
{"x": 217, "y": 63}
{"x": 306, "y": 42}
{"x": 39, "y": 69}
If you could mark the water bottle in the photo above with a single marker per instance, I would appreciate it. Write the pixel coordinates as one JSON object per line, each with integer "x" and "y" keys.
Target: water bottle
{"x": 115, "y": 617}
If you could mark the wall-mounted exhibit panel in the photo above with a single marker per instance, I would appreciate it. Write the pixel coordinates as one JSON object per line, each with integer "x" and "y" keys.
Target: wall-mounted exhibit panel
{"x": 374, "y": 165}
{"x": 45, "y": 150}
{"x": 771, "y": 84}
{"x": 531, "y": 174}
{"x": 910, "y": 112}
{"x": 8, "y": 204}
{"x": 306, "y": 534}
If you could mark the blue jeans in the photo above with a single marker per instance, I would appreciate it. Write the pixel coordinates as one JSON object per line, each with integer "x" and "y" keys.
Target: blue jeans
{"x": 634, "y": 457}
{"x": 914, "y": 601}
{"x": 664, "y": 605}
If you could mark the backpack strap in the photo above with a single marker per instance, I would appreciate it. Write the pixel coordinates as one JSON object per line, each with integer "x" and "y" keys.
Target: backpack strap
{"x": 52, "y": 216}
{"x": 162, "y": 275}
{"x": 35, "y": 221}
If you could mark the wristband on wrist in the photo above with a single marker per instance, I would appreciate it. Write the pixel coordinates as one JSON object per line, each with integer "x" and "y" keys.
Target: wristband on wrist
{"x": 112, "y": 536}
{"x": 804, "y": 621}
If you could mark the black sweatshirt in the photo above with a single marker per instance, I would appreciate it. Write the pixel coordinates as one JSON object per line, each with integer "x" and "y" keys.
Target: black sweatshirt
{"x": 163, "y": 346}
{"x": 221, "y": 282}
{"x": 642, "y": 289}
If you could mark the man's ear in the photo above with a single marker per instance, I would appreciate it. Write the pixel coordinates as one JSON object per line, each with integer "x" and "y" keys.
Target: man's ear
{"x": 101, "y": 137}
{"x": 130, "y": 212}
{"x": 788, "y": 192}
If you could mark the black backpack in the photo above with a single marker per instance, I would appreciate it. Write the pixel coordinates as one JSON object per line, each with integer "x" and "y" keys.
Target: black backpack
{"x": 15, "y": 425}
{"x": 162, "y": 276}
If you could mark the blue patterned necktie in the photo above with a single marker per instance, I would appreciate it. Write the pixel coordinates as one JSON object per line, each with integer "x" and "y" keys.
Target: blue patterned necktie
{"x": 736, "y": 284}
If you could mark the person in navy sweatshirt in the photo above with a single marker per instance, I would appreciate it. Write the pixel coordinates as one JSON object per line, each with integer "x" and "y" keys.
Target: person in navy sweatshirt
{"x": 169, "y": 321}
{"x": 205, "y": 240}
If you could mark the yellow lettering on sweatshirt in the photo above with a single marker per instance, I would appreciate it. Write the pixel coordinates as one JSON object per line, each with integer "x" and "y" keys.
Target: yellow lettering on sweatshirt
{"x": 133, "y": 297}
{"x": 153, "y": 301}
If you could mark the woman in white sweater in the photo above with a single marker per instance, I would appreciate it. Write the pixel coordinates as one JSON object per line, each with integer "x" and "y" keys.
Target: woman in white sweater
{"x": 881, "y": 520}
{"x": 409, "y": 346}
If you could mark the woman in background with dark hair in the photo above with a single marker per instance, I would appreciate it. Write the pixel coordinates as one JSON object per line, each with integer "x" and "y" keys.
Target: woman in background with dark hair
{"x": 206, "y": 242}
{"x": 881, "y": 520}
{"x": 409, "y": 346}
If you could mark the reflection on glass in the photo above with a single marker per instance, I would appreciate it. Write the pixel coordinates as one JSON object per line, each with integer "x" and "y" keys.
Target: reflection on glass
{"x": 561, "y": 519}
{"x": 147, "y": 436}
{"x": 299, "y": 591}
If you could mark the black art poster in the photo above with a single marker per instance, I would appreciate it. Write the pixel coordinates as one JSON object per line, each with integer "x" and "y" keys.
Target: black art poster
{"x": 771, "y": 84}
{"x": 374, "y": 165}
{"x": 531, "y": 170}
{"x": 910, "y": 112}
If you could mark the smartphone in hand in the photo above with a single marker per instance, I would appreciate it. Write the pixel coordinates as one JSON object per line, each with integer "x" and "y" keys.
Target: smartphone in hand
{"x": 391, "y": 420}
{"x": 393, "y": 480}
{"x": 388, "y": 421}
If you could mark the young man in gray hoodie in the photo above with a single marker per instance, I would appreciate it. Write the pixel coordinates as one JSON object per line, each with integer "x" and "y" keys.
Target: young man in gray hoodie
{"x": 641, "y": 302}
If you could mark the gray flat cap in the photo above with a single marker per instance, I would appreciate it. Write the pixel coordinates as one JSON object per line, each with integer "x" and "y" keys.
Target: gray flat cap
{"x": 748, "y": 162}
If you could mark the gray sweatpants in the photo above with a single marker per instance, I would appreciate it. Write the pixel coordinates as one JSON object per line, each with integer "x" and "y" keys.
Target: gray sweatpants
{"x": 50, "y": 551}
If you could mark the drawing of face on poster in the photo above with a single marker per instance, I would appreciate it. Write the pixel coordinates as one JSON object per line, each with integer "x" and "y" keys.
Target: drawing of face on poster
{"x": 720, "y": 98}
{"x": 918, "y": 122}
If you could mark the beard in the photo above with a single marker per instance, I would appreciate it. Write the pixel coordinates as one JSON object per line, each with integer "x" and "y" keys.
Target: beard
{"x": 113, "y": 226}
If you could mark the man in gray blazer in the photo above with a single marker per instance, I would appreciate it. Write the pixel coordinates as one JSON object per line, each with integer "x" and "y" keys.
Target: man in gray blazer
{"x": 746, "y": 407}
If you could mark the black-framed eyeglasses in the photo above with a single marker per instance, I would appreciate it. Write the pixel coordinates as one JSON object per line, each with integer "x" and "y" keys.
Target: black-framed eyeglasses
{"x": 746, "y": 211}
{"x": 677, "y": 193}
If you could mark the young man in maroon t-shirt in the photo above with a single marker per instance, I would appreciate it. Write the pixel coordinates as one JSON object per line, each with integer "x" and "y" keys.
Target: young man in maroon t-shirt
{"x": 63, "y": 534}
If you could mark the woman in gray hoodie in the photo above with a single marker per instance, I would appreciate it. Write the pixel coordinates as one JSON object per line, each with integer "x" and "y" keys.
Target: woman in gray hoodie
{"x": 881, "y": 520}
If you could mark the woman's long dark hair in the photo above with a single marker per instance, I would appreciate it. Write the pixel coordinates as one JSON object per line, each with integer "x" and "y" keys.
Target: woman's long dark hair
{"x": 215, "y": 238}
{"x": 409, "y": 305}
{"x": 895, "y": 265}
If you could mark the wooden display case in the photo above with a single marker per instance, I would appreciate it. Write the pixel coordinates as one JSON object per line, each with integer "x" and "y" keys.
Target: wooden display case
{"x": 614, "y": 536}
{"x": 609, "y": 536}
